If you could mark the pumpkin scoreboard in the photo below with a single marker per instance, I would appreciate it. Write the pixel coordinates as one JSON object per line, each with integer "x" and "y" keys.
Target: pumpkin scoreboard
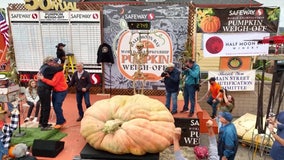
{"x": 36, "y": 33}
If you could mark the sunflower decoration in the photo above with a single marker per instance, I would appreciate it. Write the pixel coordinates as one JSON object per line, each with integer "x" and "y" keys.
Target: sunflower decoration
{"x": 273, "y": 14}
{"x": 10, "y": 57}
{"x": 203, "y": 13}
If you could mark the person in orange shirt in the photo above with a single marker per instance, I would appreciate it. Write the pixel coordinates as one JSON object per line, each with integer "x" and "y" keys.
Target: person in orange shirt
{"x": 59, "y": 93}
{"x": 213, "y": 95}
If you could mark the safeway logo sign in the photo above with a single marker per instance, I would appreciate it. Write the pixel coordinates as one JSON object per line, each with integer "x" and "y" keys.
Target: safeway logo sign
{"x": 151, "y": 16}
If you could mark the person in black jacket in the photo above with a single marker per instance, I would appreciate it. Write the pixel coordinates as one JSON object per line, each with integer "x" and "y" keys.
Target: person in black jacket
{"x": 82, "y": 81}
{"x": 105, "y": 54}
{"x": 44, "y": 91}
{"x": 171, "y": 79}
{"x": 60, "y": 53}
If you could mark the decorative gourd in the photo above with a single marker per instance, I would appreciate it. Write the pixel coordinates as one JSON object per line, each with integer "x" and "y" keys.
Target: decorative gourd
{"x": 128, "y": 124}
{"x": 210, "y": 24}
{"x": 10, "y": 152}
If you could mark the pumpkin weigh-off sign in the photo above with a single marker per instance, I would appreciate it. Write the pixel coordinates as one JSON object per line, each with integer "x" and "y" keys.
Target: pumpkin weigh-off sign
{"x": 160, "y": 54}
{"x": 190, "y": 135}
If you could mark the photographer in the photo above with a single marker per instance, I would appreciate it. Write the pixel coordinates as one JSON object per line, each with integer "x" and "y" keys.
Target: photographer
{"x": 191, "y": 71}
{"x": 227, "y": 103}
{"x": 171, "y": 79}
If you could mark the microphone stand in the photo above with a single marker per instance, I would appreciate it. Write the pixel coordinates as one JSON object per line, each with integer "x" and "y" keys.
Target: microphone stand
{"x": 110, "y": 65}
{"x": 20, "y": 134}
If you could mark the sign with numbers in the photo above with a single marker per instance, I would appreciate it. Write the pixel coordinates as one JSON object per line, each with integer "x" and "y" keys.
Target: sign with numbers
{"x": 36, "y": 34}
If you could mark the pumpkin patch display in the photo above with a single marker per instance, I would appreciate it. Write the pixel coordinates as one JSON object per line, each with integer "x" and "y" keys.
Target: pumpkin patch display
{"x": 210, "y": 24}
{"x": 128, "y": 124}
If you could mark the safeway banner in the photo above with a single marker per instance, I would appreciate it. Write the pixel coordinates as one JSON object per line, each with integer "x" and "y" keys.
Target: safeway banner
{"x": 259, "y": 19}
{"x": 234, "y": 44}
{"x": 235, "y": 80}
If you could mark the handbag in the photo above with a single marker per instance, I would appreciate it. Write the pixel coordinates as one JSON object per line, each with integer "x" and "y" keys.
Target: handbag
{"x": 201, "y": 152}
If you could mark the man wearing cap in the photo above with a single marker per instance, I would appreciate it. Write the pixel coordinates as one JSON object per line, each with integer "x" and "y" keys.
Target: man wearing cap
{"x": 44, "y": 90}
{"x": 58, "y": 82}
{"x": 60, "y": 52}
{"x": 6, "y": 130}
{"x": 227, "y": 138}
{"x": 277, "y": 148}
{"x": 171, "y": 79}
{"x": 213, "y": 99}
{"x": 192, "y": 75}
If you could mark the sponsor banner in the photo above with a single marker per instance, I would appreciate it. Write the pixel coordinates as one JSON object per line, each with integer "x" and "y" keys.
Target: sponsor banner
{"x": 96, "y": 78}
{"x": 171, "y": 19}
{"x": 190, "y": 135}
{"x": 159, "y": 54}
{"x": 235, "y": 80}
{"x": 235, "y": 63}
{"x": 54, "y": 16}
{"x": 24, "y": 16}
{"x": 85, "y": 16}
{"x": 258, "y": 19}
{"x": 234, "y": 44}
{"x": 45, "y": 5}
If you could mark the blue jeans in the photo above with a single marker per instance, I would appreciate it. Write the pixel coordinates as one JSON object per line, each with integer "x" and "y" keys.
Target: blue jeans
{"x": 173, "y": 96}
{"x": 79, "y": 97}
{"x": 213, "y": 105}
{"x": 189, "y": 95}
{"x": 57, "y": 100}
{"x": 10, "y": 106}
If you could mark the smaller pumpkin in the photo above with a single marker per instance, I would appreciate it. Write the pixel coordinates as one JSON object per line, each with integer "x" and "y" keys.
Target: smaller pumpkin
{"x": 210, "y": 24}
{"x": 10, "y": 152}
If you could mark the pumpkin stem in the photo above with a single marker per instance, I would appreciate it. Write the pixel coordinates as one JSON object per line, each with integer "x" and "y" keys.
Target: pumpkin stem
{"x": 112, "y": 125}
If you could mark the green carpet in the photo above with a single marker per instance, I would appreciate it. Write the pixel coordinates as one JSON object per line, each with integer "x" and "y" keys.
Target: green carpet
{"x": 36, "y": 133}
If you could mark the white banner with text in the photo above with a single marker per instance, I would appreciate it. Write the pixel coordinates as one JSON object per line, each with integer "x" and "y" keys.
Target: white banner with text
{"x": 235, "y": 80}
{"x": 234, "y": 44}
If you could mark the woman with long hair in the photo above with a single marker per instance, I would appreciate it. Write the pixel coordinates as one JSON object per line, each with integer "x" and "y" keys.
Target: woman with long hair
{"x": 32, "y": 100}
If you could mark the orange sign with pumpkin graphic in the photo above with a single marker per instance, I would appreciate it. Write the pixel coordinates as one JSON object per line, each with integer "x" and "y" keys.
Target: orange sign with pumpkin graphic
{"x": 159, "y": 54}
{"x": 235, "y": 63}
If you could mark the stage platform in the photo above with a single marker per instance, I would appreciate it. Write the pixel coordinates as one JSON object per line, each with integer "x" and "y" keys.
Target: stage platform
{"x": 89, "y": 152}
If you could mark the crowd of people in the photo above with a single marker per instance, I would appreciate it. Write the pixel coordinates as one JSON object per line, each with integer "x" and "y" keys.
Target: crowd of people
{"x": 225, "y": 146}
{"x": 52, "y": 88}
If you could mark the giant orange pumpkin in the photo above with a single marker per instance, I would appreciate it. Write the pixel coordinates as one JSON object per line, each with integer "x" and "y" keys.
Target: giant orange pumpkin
{"x": 128, "y": 124}
{"x": 210, "y": 24}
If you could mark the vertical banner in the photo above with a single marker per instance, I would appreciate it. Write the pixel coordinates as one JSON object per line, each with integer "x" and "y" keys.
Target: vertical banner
{"x": 169, "y": 34}
{"x": 235, "y": 80}
{"x": 27, "y": 39}
{"x": 190, "y": 134}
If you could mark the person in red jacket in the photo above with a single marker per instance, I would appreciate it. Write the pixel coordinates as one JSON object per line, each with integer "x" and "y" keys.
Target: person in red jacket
{"x": 60, "y": 91}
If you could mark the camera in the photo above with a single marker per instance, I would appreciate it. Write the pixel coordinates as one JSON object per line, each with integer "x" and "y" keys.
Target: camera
{"x": 164, "y": 73}
{"x": 222, "y": 90}
{"x": 184, "y": 67}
